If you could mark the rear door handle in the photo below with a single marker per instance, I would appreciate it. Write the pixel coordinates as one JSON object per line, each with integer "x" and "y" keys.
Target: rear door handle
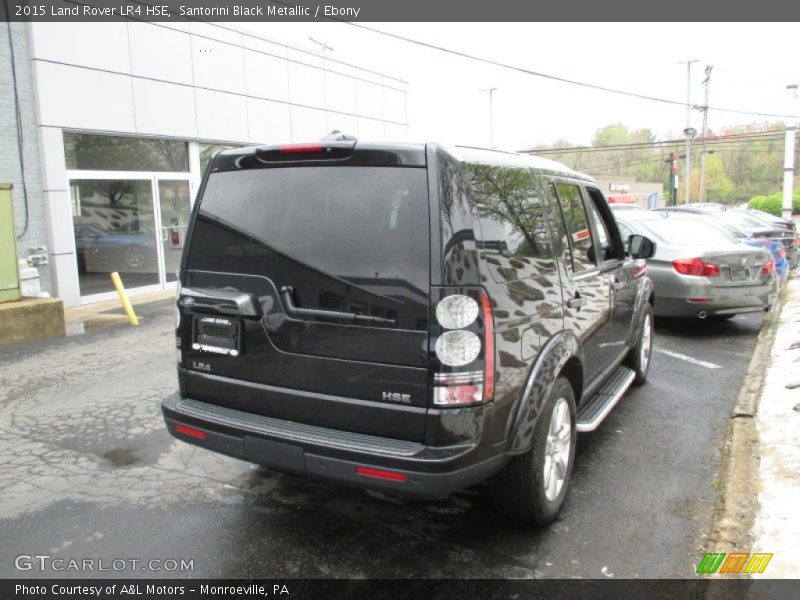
{"x": 617, "y": 285}
{"x": 576, "y": 302}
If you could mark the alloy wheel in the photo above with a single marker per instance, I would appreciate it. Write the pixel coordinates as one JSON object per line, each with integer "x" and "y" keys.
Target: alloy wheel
{"x": 557, "y": 449}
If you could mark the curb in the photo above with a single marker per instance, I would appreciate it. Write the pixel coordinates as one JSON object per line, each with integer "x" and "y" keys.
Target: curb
{"x": 737, "y": 503}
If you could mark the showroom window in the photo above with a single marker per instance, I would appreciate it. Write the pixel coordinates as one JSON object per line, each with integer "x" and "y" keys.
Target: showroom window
{"x": 89, "y": 152}
{"x": 131, "y": 202}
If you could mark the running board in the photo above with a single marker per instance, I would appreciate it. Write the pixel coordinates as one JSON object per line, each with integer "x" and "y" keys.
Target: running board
{"x": 597, "y": 408}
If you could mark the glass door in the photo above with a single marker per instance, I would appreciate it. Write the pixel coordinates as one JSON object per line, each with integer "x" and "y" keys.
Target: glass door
{"x": 174, "y": 211}
{"x": 115, "y": 230}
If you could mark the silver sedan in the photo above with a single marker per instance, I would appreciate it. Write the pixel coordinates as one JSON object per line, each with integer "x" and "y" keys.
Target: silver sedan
{"x": 701, "y": 271}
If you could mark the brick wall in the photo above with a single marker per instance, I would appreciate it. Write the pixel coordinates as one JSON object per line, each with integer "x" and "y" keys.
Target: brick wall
{"x": 10, "y": 169}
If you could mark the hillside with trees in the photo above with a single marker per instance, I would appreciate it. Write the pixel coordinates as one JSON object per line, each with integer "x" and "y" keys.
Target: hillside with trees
{"x": 738, "y": 166}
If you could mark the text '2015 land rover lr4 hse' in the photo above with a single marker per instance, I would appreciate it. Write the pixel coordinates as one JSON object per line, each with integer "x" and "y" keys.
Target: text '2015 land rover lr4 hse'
{"x": 411, "y": 318}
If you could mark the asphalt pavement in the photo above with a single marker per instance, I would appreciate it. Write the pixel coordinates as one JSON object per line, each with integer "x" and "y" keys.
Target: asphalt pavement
{"x": 88, "y": 471}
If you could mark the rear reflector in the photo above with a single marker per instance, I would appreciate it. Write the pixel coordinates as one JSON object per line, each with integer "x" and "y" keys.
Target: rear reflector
{"x": 699, "y": 300}
{"x": 380, "y": 474}
{"x": 196, "y": 433}
{"x": 695, "y": 266}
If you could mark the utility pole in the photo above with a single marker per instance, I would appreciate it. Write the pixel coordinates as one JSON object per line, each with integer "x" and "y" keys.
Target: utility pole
{"x": 491, "y": 114}
{"x": 706, "y": 83}
{"x": 689, "y": 132}
{"x": 323, "y": 47}
{"x": 788, "y": 152}
{"x": 672, "y": 161}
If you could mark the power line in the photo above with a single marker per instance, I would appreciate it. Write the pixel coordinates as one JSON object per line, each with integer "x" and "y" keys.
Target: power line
{"x": 655, "y": 160}
{"x": 543, "y": 75}
{"x": 745, "y": 137}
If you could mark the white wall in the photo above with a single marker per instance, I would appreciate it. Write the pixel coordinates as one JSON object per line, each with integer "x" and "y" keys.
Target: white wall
{"x": 201, "y": 82}
{"x": 192, "y": 81}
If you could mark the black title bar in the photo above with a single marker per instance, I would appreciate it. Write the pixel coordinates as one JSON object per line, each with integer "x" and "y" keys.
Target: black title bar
{"x": 409, "y": 10}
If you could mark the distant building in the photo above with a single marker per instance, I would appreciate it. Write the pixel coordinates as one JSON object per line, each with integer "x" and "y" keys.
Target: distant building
{"x": 625, "y": 189}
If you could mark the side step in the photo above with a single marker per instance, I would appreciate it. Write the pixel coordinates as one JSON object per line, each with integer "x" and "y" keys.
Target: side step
{"x": 592, "y": 413}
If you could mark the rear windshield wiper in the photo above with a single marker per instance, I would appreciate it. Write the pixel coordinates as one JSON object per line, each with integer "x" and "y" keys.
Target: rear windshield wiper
{"x": 286, "y": 294}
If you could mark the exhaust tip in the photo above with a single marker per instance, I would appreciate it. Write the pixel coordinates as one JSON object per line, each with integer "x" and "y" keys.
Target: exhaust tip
{"x": 702, "y": 314}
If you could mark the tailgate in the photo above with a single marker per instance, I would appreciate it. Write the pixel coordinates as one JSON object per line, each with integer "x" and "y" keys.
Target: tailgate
{"x": 318, "y": 278}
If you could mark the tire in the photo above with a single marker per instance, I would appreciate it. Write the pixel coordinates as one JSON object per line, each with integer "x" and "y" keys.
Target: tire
{"x": 638, "y": 358}
{"x": 523, "y": 490}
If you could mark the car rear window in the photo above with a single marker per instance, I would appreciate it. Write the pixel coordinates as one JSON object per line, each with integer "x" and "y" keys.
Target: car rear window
{"x": 685, "y": 231}
{"x": 321, "y": 230}
{"x": 742, "y": 221}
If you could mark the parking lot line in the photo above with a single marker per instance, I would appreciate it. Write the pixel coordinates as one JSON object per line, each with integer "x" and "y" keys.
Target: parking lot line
{"x": 695, "y": 361}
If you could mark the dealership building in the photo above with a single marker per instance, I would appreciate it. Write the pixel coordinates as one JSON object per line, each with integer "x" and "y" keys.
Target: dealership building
{"x": 107, "y": 128}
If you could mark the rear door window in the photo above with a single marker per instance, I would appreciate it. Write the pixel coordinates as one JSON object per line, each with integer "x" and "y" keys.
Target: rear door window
{"x": 576, "y": 222}
{"x": 512, "y": 233}
{"x": 610, "y": 246}
{"x": 353, "y": 239}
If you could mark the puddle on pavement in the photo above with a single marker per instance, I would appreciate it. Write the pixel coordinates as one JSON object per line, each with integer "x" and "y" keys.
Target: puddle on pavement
{"x": 122, "y": 457}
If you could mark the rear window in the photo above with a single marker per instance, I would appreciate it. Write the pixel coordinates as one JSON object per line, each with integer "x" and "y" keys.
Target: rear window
{"x": 742, "y": 221}
{"x": 345, "y": 238}
{"x": 686, "y": 232}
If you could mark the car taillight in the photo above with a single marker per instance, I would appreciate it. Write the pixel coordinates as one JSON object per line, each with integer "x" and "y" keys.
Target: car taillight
{"x": 768, "y": 267}
{"x": 465, "y": 340}
{"x": 695, "y": 266}
{"x": 488, "y": 339}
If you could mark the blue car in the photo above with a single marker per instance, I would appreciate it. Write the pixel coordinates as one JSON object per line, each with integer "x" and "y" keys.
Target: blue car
{"x": 102, "y": 251}
{"x": 778, "y": 252}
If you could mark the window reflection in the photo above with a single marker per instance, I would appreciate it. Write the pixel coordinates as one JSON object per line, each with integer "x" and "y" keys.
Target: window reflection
{"x": 120, "y": 153}
{"x": 512, "y": 230}
{"x": 114, "y": 231}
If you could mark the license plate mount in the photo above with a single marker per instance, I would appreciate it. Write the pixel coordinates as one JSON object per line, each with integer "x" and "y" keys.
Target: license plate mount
{"x": 217, "y": 335}
{"x": 740, "y": 274}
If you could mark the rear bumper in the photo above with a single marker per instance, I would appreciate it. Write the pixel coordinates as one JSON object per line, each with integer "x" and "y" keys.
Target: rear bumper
{"x": 418, "y": 471}
{"x": 715, "y": 300}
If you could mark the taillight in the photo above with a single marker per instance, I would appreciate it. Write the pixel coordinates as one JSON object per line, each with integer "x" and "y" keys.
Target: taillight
{"x": 464, "y": 348}
{"x": 768, "y": 267}
{"x": 695, "y": 266}
{"x": 488, "y": 328}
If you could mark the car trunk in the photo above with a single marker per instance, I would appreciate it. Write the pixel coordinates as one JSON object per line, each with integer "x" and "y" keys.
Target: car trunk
{"x": 318, "y": 276}
{"x": 739, "y": 266}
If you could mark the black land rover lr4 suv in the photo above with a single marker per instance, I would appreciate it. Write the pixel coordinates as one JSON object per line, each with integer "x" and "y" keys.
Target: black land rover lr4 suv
{"x": 411, "y": 318}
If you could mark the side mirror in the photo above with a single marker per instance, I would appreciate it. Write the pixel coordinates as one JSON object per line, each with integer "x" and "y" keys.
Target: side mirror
{"x": 640, "y": 246}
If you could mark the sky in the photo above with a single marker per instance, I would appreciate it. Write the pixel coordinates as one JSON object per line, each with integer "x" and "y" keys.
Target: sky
{"x": 752, "y": 65}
